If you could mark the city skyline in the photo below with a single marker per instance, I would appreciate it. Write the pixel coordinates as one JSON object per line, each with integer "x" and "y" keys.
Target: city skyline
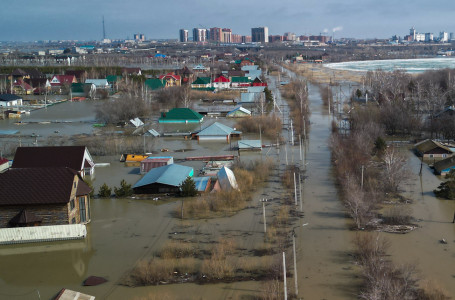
{"x": 43, "y": 20}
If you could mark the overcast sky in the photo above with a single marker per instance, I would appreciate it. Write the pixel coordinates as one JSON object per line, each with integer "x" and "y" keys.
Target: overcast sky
{"x": 30, "y": 20}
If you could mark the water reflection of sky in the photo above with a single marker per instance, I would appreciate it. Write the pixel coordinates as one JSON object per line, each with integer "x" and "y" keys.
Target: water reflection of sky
{"x": 409, "y": 65}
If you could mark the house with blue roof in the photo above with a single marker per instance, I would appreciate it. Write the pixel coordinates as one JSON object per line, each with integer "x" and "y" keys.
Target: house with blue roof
{"x": 217, "y": 132}
{"x": 165, "y": 179}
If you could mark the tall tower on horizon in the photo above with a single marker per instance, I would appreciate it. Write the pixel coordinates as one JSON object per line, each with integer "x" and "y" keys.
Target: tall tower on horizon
{"x": 104, "y": 30}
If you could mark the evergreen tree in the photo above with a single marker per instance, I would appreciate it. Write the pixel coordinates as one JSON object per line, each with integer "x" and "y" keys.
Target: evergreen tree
{"x": 188, "y": 187}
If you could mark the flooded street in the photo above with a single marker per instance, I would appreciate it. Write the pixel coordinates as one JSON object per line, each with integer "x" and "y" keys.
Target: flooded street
{"x": 126, "y": 231}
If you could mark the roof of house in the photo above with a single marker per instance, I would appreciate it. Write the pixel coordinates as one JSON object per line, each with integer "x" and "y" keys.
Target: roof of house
{"x": 28, "y": 186}
{"x": 199, "y": 67}
{"x": 77, "y": 87}
{"x": 173, "y": 174}
{"x": 97, "y": 82}
{"x": 201, "y": 183}
{"x": 248, "y": 97}
{"x": 65, "y": 78}
{"x": 170, "y": 75}
{"x": 256, "y": 89}
{"x": 3, "y": 160}
{"x": 9, "y": 97}
{"x": 241, "y": 79}
{"x": 202, "y": 80}
{"x": 23, "y": 84}
{"x": 249, "y": 144}
{"x": 217, "y": 129}
{"x": 19, "y": 72}
{"x": 155, "y": 83}
{"x": 226, "y": 179}
{"x": 184, "y": 71}
{"x": 449, "y": 110}
{"x": 221, "y": 79}
{"x": 37, "y": 82}
{"x": 181, "y": 114}
{"x": 232, "y": 73}
{"x": 444, "y": 164}
{"x": 131, "y": 70}
{"x": 113, "y": 78}
{"x": 427, "y": 145}
{"x": 47, "y": 157}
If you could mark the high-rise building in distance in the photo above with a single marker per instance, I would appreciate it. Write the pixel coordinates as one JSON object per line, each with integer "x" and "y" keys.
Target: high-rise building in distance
{"x": 183, "y": 35}
{"x": 199, "y": 35}
{"x": 139, "y": 37}
{"x": 260, "y": 35}
{"x": 216, "y": 34}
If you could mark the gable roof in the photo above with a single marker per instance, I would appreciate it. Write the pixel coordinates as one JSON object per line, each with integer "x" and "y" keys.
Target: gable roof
{"x": 221, "y": 78}
{"x": 97, "y": 82}
{"x": 181, "y": 114}
{"x": 28, "y": 186}
{"x": 242, "y": 79}
{"x": 169, "y": 76}
{"x": 202, "y": 80}
{"x": 249, "y": 144}
{"x": 62, "y": 79}
{"x": 444, "y": 164}
{"x": 241, "y": 109}
{"x": 9, "y": 97}
{"x": 427, "y": 145}
{"x": 216, "y": 129}
{"x": 113, "y": 78}
{"x": 47, "y": 157}
{"x": 173, "y": 174}
{"x": 155, "y": 83}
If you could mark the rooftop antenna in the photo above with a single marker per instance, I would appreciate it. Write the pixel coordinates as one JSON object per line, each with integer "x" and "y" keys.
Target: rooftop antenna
{"x": 104, "y": 30}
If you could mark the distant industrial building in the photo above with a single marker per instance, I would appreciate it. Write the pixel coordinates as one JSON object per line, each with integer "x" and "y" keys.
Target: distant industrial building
{"x": 260, "y": 35}
{"x": 183, "y": 35}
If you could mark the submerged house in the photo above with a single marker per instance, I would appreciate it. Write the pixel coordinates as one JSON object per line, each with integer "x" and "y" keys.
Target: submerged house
{"x": 10, "y": 100}
{"x": 75, "y": 157}
{"x": 43, "y": 196}
{"x": 252, "y": 145}
{"x": 432, "y": 149}
{"x": 217, "y": 131}
{"x": 181, "y": 115}
{"x": 239, "y": 112}
{"x": 166, "y": 179}
{"x": 443, "y": 167}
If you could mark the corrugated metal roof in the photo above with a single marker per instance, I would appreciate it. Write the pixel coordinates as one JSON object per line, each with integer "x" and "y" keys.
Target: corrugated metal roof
{"x": 242, "y": 109}
{"x": 226, "y": 179}
{"x": 181, "y": 114}
{"x": 172, "y": 174}
{"x": 249, "y": 144}
{"x": 256, "y": 89}
{"x": 35, "y": 234}
{"x": 201, "y": 183}
{"x": 216, "y": 129}
{"x": 248, "y": 97}
{"x": 97, "y": 82}
{"x": 445, "y": 164}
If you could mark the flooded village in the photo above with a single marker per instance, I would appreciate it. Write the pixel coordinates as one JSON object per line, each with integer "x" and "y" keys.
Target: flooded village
{"x": 241, "y": 176}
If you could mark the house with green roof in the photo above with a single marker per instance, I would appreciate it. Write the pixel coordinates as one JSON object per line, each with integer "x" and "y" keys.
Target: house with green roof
{"x": 202, "y": 83}
{"x": 240, "y": 81}
{"x": 181, "y": 115}
{"x": 154, "y": 84}
{"x": 111, "y": 79}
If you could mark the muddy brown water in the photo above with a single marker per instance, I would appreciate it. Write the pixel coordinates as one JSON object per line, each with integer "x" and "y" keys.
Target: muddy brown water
{"x": 124, "y": 231}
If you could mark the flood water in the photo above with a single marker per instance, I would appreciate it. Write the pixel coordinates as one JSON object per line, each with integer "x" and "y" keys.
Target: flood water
{"x": 125, "y": 231}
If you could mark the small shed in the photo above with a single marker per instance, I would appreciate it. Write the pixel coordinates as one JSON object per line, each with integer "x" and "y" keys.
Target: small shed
{"x": 443, "y": 167}
{"x": 251, "y": 145}
{"x": 166, "y": 179}
{"x": 217, "y": 131}
{"x": 239, "y": 112}
{"x": 155, "y": 162}
{"x": 202, "y": 183}
{"x": 181, "y": 115}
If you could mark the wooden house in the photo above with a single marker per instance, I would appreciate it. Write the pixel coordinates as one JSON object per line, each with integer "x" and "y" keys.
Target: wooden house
{"x": 75, "y": 157}
{"x": 43, "y": 196}
{"x": 171, "y": 79}
{"x": 432, "y": 149}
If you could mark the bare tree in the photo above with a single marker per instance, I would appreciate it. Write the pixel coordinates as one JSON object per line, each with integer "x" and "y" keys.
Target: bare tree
{"x": 394, "y": 172}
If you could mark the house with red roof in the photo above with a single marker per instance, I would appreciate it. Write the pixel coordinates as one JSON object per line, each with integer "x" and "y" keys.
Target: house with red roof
{"x": 21, "y": 87}
{"x": 171, "y": 79}
{"x": 221, "y": 82}
{"x": 62, "y": 80}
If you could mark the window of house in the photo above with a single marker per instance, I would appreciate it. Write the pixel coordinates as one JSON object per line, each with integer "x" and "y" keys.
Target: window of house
{"x": 74, "y": 184}
{"x": 431, "y": 155}
{"x": 82, "y": 209}
{"x": 73, "y": 221}
{"x": 72, "y": 204}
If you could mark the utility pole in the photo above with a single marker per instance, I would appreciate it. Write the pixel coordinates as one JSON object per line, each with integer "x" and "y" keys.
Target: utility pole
{"x": 263, "y": 214}
{"x": 361, "y": 183}
{"x": 295, "y": 264}
{"x": 300, "y": 194}
{"x": 284, "y": 278}
{"x": 295, "y": 191}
